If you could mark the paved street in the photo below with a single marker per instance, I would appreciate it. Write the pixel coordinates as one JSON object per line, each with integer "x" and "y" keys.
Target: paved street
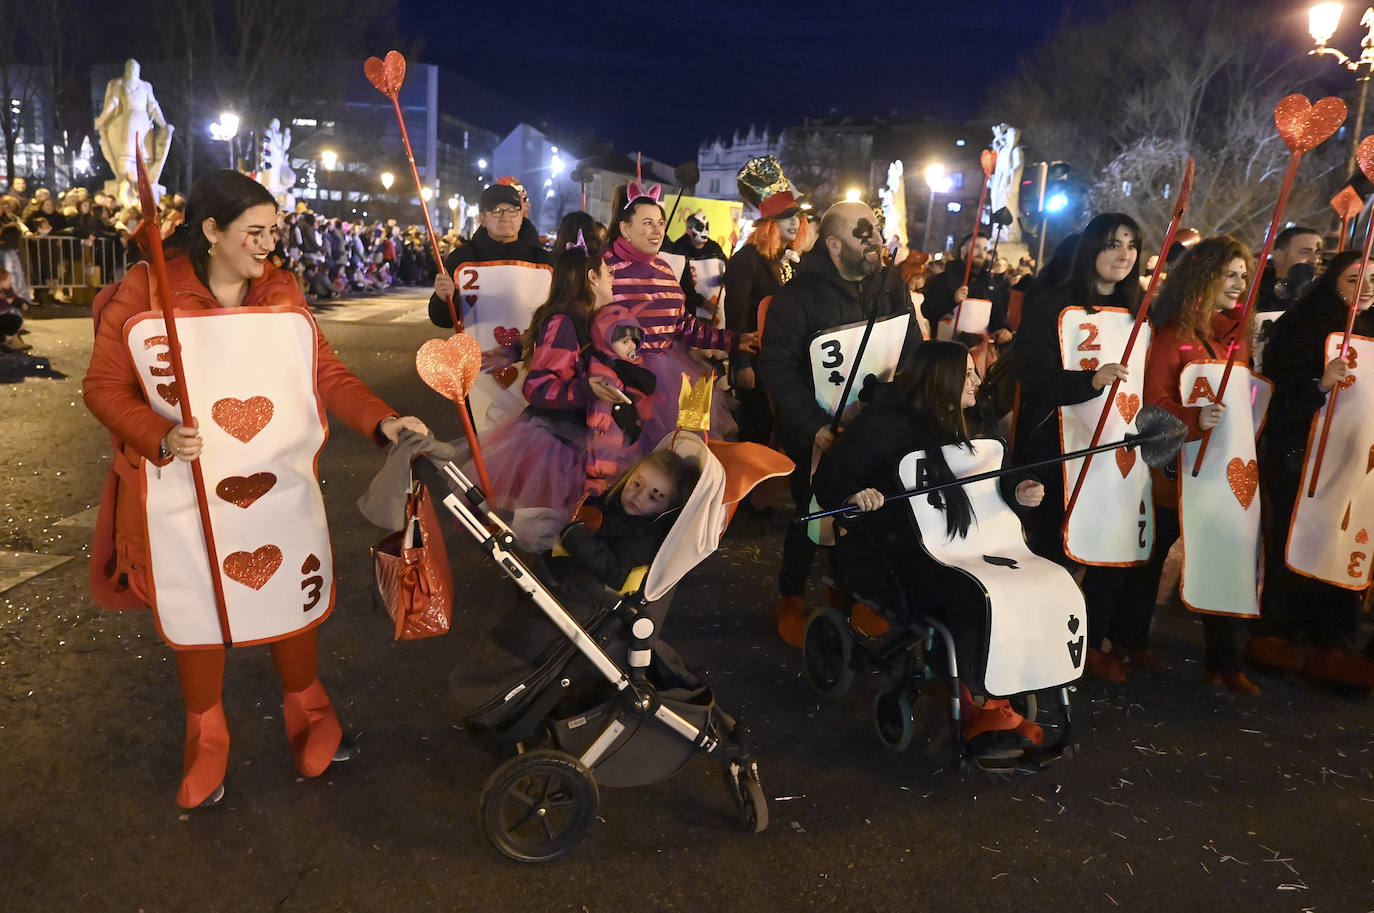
{"x": 1181, "y": 799}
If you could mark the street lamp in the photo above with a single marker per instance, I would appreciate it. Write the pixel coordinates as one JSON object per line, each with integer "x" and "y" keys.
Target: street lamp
{"x": 225, "y": 129}
{"x": 1322, "y": 21}
{"x": 939, "y": 181}
{"x": 853, "y": 195}
{"x": 426, "y": 193}
{"x": 329, "y": 158}
{"x": 453, "y": 212}
{"x": 387, "y": 180}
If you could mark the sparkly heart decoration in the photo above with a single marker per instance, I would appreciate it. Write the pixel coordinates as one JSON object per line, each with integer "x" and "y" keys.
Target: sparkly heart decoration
{"x": 253, "y": 569}
{"x": 1088, "y": 364}
{"x": 1125, "y": 461}
{"x": 506, "y": 376}
{"x": 169, "y": 394}
{"x": 1244, "y": 479}
{"x": 243, "y": 418}
{"x": 386, "y": 75}
{"x": 1347, "y": 202}
{"x": 471, "y": 300}
{"x": 1362, "y": 537}
{"x": 1128, "y": 406}
{"x": 1305, "y": 126}
{"x": 506, "y": 336}
{"x": 988, "y": 158}
{"x": 450, "y": 366}
{"x": 311, "y": 565}
{"x": 242, "y": 491}
{"x": 1364, "y": 157}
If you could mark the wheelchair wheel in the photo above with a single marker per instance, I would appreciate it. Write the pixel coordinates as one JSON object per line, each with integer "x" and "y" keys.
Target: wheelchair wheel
{"x": 538, "y": 806}
{"x": 828, "y": 653}
{"x": 747, "y": 790}
{"x": 893, "y": 718}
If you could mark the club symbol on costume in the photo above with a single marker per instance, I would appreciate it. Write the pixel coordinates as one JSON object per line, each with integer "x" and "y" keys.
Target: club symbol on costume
{"x": 172, "y": 396}
{"x": 242, "y": 491}
{"x": 1087, "y": 364}
{"x": 1076, "y": 645}
{"x": 311, "y": 585}
{"x": 506, "y": 336}
{"x": 243, "y": 418}
{"x": 1128, "y": 406}
{"x": 836, "y": 378}
{"x": 1125, "y": 461}
{"x": 1001, "y": 561}
{"x": 253, "y": 569}
{"x": 1244, "y": 479}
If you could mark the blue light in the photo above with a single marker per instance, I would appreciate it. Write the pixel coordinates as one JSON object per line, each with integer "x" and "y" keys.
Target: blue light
{"x": 1056, "y": 202}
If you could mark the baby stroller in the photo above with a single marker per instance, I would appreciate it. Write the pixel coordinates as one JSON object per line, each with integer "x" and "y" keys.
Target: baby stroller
{"x": 575, "y": 683}
{"x": 1009, "y": 623}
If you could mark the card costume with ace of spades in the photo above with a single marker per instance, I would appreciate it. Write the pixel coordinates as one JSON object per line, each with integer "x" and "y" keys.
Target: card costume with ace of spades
{"x": 263, "y": 431}
{"x": 1219, "y": 510}
{"x": 833, "y": 353}
{"x": 1329, "y": 533}
{"x": 1113, "y": 522}
{"x": 1033, "y": 612}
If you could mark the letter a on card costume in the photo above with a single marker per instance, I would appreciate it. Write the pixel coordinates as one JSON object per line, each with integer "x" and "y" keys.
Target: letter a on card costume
{"x": 263, "y": 430}
{"x": 1219, "y": 510}
{"x": 1107, "y": 527}
{"x": 1329, "y": 539}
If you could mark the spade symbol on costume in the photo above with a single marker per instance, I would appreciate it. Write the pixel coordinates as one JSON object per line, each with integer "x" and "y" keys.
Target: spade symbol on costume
{"x": 1073, "y": 624}
{"x": 999, "y": 561}
{"x": 836, "y": 378}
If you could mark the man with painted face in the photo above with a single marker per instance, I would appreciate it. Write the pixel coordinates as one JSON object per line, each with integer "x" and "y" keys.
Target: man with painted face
{"x": 944, "y": 293}
{"x": 504, "y": 234}
{"x": 701, "y": 275}
{"x": 837, "y": 282}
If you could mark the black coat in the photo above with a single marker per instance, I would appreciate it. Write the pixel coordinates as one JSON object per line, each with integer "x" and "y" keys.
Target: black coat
{"x": 482, "y": 249}
{"x": 817, "y": 298}
{"x": 621, "y": 544}
{"x": 684, "y": 247}
{"x": 749, "y": 278}
{"x": 982, "y": 284}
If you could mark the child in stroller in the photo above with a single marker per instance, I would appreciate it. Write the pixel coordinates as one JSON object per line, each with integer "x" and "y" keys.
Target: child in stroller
{"x": 580, "y": 687}
{"x": 912, "y": 565}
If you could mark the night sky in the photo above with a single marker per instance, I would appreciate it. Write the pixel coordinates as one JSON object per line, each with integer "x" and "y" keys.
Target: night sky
{"x": 665, "y": 77}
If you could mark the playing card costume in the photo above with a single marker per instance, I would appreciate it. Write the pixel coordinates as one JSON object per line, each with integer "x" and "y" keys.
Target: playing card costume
{"x": 260, "y": 377}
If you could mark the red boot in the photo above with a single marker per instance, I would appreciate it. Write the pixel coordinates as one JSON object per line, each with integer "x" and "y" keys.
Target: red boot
{"x": 791, "y": 619}
{"x": 207, "y": 756}
{"x": 312, "y": 729}
{"x": 866, "y": 621}
{"x": 1106, "y": 666}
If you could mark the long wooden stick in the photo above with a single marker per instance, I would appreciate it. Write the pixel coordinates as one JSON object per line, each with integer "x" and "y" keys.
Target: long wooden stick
{"x": 158, "y": 263}
{"x": 1185, "y": 190}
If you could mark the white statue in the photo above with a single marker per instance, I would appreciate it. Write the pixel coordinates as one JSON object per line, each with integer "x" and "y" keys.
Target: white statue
{"x": 893, "y": 198}
{"x": 1005, "y": 186}
{"x": 277, "y": 175}
{"x": 130, "y": 116}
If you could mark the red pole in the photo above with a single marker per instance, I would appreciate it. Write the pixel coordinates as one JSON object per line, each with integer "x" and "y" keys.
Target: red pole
{"x": 988, "y": 159}
{"x": 158, "y": 264}
{"x": 1185, "y": 189}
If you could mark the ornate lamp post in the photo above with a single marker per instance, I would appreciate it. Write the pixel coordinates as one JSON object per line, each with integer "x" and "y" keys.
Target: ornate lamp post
{"x": 1322, "y": 21}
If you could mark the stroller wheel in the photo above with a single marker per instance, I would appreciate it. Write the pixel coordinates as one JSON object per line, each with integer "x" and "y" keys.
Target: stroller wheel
{"x": 743, "y": 778}
{"x": 538, "y": 806}
{"x": 828, "y": 653}
{"x": 893, "y": 718}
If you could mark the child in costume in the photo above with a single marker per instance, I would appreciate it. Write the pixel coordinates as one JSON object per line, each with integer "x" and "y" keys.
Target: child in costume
{"x": 614, "y": 427}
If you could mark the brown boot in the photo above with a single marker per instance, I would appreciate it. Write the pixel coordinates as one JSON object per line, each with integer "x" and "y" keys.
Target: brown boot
{"x": 1337, "y": 665}
{"x": 866, "y": 621}
{"x": 1235, "y": 682}
{"x": 791, "y": 619}
{"x": 1275, "y": 652}
{"x": 1106, "y": 666}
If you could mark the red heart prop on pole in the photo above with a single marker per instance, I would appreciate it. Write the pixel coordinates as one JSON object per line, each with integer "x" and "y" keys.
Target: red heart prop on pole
{"x": 243, "y": 491}
{"x": 450, "y": 366}
{"x": 988, "y": 158}
{"x": 1305, "y": 126}
{"x": 1128, "y": 406}
{"x": 1364, "y": 157}
{"x": 386, "y": 75}
{"x": 1244, "y": 479}
{"x": 1347, "y": 202}
{"x": 1125, "y": 461}
{"x": 253, "y": 569}
{"x": 243, "y": 418}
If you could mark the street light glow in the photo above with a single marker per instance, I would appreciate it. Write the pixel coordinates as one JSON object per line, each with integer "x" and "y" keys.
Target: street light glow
{"x": 937, "y": 179}
{"x": 1322, "y": 21}
{"x": 482, "y": 163}
{"x": 853, "y": 195}
{"x": 387, "y": 180}
{"x": 426, "y": 193}
{"x": 329, "y": 158}
{"x": 229, "y": 122}
{"x": 557, "y": 163}
{"x": 453, "y": 203}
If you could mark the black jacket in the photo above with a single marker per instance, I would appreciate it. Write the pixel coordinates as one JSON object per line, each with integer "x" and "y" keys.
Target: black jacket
{"x": 749, "y": 278}
{"x": 683, "y": 246}
{"x": 621, "y": 544}
{"x": 482, "y": 249}
{"x": 982, "y": 284}
{"x": 817, "y": 298}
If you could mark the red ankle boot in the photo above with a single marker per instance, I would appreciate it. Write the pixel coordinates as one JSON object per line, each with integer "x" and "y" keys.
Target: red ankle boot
{"x": 312, "y": 729}
{"x": 207, "y": 756}
{"x": 791, "y": 619}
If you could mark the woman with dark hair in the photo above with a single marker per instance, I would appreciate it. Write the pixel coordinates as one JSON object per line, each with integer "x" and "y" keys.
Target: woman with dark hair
{"x": 260, "y": 375}
{"x": 579, "y": 223}
{"x": 1197, "y": 319}
{"x": 1299, "y": 610}
{"x": 647, "y": 285}
{"x": 927, "y": 406}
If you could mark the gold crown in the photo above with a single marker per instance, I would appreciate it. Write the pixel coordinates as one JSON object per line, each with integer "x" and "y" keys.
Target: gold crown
{"x": 761, "y": 178}
{"x": 694, "y": 405}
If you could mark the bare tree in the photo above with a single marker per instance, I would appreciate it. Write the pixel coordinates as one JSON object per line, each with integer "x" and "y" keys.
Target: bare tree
{"x": 19, "y": 89}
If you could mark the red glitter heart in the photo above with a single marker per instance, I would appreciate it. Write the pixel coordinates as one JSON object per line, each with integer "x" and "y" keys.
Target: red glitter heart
{"x": 1244, "y": 479}
{"x": 1347, "y": 202}
{"x": 243, "y": 418}
{"x": 449, "y": 366}
{"x": 1088, "y": 364}
{"x": 243, "y": 491}
{"x": 471, "y": 300}
{"x": 1362, "y": 537}
{"x": 506, "y": 376}
{"x": 386, "y": 75}
{"x": 1125, "y": 461}
{"x": 988, "y": 159}
{"x": 169, "y": 393}
{"x": 1364, "y": 156}
{"x": 506, "y": 336}
{"x": 1305, "y": 126}
{"x": 253, "y": 569}
{"x": 1128, "y": 406}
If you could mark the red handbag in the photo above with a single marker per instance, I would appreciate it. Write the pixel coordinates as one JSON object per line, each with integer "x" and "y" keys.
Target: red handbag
{"x": 413, "y": 575}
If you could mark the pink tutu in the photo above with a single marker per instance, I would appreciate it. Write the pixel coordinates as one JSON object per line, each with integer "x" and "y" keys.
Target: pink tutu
{"x": 668, "y": 366}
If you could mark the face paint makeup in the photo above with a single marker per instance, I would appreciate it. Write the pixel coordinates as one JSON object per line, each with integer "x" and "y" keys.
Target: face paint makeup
{"x": 863, "y": 230}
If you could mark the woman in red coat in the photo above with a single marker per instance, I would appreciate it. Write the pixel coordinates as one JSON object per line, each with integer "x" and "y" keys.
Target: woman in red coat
{"x": 218, "y": 269}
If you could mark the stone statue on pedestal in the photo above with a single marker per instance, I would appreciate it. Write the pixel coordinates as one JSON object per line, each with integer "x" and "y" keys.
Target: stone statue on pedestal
{"x": 131, "y": 116}
{"x": 277, "y": 175}
{"x": 1005, "y": 187}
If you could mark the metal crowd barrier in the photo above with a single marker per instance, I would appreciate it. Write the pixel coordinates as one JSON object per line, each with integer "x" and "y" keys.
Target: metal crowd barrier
{"x": 75, "y": 267}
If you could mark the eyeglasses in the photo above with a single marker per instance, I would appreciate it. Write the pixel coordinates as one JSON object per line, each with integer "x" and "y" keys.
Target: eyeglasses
{"x": 503, "y": 213}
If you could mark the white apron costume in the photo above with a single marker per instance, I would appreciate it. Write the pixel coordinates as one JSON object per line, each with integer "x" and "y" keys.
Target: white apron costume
{"x": 974, "y": 315}
{"x": 1219, "y": 511}
{"x": 708, "y": 278}
{"x": 1113, "y": 523}
{"x": 498, "y": 300}
{"x": 1036, "y": 622}
{"x": 251, "y": 373}
{"x": 1329, "y": 535}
